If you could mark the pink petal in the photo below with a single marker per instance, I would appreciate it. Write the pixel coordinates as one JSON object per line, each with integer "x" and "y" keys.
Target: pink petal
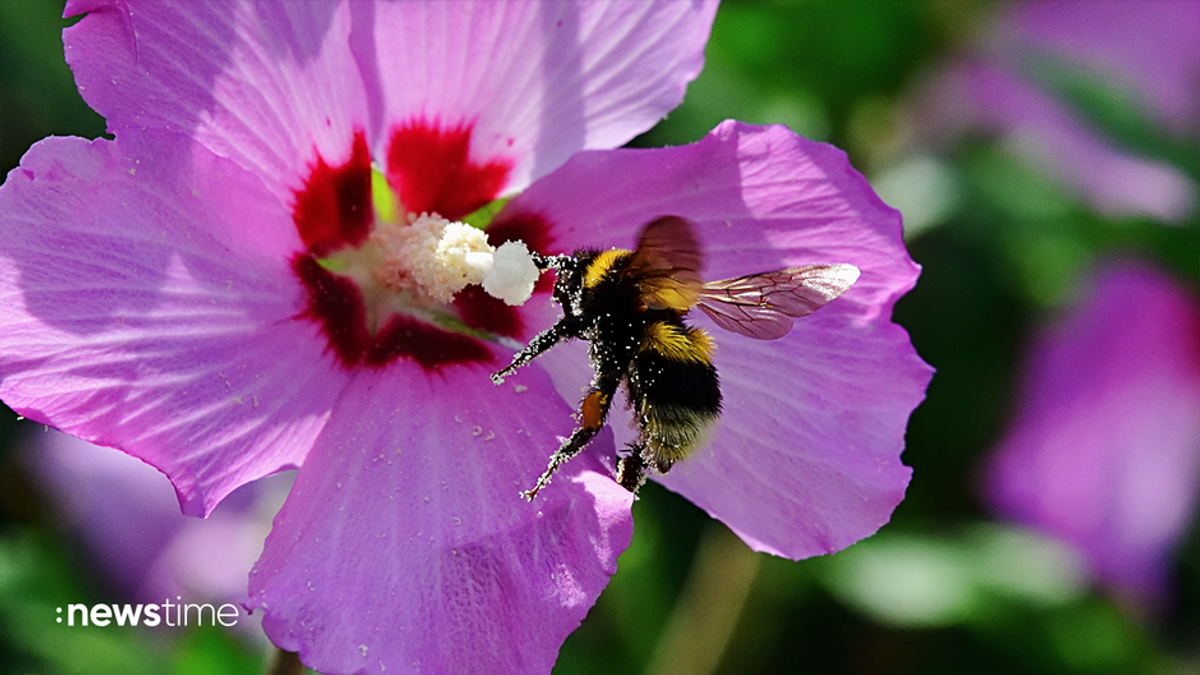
{"x": 405, "y": 544}
{"x": 537, "y": 81}
{"x": 806, "y": 458}
{"x": 142, "y": 313}
{"x": 1105, "y": 448}
{"x": 272, "y": 86}
{"x": 269, "y": 85}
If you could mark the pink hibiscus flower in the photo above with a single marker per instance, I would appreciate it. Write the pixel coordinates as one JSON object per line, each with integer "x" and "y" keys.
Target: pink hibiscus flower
{"x": 1105, "y": 448}
{"x": 212, "y": 292}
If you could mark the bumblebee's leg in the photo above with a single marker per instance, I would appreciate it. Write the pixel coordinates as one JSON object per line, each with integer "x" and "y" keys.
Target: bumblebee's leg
{"x": 632, "y": 469}
{"x": 543, "y": 341}
{"x": 663, "y": 465}
{"x": 593, "y": 411}
{"x": 567, "y": 450}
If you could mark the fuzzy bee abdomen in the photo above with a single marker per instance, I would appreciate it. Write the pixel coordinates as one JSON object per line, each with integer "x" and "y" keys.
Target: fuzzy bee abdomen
{"x": 674, "y": 390}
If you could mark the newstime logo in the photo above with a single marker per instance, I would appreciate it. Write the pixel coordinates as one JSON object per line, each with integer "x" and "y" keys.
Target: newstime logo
{"x": 169, "y": 614}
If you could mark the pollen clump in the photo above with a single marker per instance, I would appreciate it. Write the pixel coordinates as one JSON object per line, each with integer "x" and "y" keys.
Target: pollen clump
{"x": 435, "y": 251}
{"x": 513, "y": 274}
{"x": 439, "y": 258}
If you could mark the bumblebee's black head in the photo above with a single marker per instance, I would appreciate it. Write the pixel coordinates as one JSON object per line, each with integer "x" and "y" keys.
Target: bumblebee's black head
{"x": 568, "y": 272}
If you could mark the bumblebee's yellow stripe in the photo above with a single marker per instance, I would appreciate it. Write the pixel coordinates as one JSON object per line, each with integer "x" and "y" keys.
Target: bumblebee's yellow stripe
{"x": 677, "y": 343}
{"x": 601, "y": 265}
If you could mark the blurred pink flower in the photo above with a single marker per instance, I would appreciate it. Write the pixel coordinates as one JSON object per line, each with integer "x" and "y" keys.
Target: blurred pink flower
{"x": 1148, "y": 52}
{"x": 1105, "y": 448}
{"x": 126, "y": 515}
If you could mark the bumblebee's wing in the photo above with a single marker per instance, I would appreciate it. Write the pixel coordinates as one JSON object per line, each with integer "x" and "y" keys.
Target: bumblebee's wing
{"x": 666, "y": 264}
{"x": 763, "y": 305}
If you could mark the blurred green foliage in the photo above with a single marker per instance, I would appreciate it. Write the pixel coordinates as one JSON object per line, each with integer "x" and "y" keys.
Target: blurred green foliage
{"x": 941, "y": 589}
{"x": 37, "y": 93}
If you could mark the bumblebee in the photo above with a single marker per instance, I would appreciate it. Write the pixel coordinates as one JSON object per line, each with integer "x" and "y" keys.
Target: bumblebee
{"x": 630, "y": 306}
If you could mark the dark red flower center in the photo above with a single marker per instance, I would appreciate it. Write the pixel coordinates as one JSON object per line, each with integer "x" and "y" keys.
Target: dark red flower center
{"x": 368, "y": 325}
